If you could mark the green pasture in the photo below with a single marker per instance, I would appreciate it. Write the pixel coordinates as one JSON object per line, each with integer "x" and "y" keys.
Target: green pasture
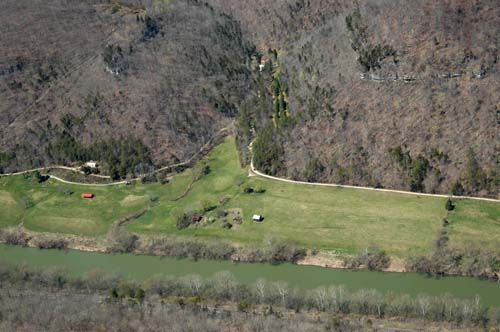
{"x": 340, "y": 219}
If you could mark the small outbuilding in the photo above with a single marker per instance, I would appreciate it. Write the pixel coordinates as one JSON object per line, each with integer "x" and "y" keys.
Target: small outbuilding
{"x": 87, "y": 195}
{"x": 263, "y": 61}
{"x": 91, "y": 164}
{"x": 257, "y": 217}
{"x": 196, "y": 218}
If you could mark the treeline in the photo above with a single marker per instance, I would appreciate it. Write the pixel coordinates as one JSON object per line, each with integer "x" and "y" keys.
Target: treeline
{"x": 268, "y": 152}
{"x": 122, "y": 157}
{"x": 270, "y": 251}
{"x": 5, "y": 159}
{"x": 223, "y": 287}
{"x": 474, "y": 177}
{"x": 444, "y": 259}
{"x": 471, "y": 261}
{"x": 55, "y": 311}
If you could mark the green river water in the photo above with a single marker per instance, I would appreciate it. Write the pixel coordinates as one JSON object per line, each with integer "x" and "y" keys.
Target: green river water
{"x": 141, "y": 267}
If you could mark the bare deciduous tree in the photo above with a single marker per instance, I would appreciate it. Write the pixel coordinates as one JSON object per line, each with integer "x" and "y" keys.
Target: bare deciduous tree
{"x": 282, "y": 289}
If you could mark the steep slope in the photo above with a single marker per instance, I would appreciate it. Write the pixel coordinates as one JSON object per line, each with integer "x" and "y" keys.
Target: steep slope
{"x": 400, "y": 94}
{"x": 80, "y": 78}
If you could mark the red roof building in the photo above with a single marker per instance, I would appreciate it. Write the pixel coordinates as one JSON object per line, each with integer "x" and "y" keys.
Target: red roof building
{"x": 196, "y": 218}
{"x": 87, "y": 195}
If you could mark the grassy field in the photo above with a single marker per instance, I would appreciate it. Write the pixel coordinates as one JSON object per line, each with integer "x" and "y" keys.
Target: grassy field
{"x": 341, "y": 219}
{"x": 55, "y": 207}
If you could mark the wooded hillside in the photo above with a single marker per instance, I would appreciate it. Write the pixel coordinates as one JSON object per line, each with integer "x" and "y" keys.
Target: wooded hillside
{"x": 397, "y": 94}
{"x": 74, "y": 75}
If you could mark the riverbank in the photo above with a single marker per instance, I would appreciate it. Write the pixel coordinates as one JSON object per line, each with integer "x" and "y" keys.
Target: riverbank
{"x": 149, "y": 245}
{"x": 119, "y": 241}
{"x": 329, "y": 260}
{"x": 141, "y": 267}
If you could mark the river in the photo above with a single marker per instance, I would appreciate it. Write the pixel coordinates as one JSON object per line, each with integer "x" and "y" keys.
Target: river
{"x": 141, "y": 267}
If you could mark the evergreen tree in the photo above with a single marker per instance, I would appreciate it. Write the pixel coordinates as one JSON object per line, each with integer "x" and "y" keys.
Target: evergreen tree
{"x": 449, "y": 205}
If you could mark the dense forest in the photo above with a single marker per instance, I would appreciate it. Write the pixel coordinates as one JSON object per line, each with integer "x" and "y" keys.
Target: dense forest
{"x": 385, "y": 94}
{"x": 103, "y": 79}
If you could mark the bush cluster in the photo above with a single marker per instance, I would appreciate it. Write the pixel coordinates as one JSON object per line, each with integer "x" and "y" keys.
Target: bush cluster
{"x": 123, "y": 241}
{"x": 13, "y": 236}
{"x": 472, "y": 260}
{"x": 114, "y": 58}
{"x": 273, "y": 251}
{"x": 49, "y": 242}
{"x": 373, "y": 259}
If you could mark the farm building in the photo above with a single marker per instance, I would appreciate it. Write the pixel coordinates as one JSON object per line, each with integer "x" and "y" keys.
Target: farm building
{"x": 196, "y": 218}
{"x": 257, "y": 217}
{"x": 87, "y": 195}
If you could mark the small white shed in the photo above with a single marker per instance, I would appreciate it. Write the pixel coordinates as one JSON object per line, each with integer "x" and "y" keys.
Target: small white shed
{"x": 91, "y": 164}
{"x": 257, "y": 217}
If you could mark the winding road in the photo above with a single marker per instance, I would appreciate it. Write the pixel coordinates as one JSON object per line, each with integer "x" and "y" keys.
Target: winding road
{"x": 251, "y": 172}
{"x": 254, "y": 172}
{"x": 87, "y": 184}
{"x": 221, "y": 133}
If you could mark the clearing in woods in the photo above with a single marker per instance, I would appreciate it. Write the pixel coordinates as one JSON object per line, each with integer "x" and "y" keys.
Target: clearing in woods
{"x": 340, "y": 219}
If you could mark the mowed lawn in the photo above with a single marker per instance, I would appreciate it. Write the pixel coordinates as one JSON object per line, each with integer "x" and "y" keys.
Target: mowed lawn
{"x": 11, "y": 211}
{"x": 52, "y": 206}
{"x": 475, "y": 223}
{"x": 339, "y": 219}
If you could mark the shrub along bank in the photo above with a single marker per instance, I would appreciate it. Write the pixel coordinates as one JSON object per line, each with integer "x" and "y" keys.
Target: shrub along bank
{"x": 183, "y": 247}
{"x": 470, "y": 261}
